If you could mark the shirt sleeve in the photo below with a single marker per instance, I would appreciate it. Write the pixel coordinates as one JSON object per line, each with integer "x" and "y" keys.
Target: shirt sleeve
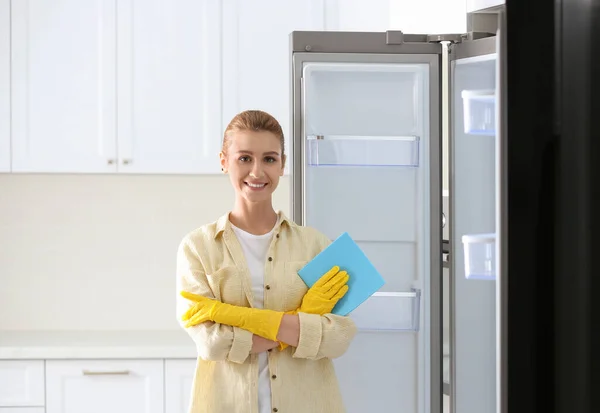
{"x": 214, "y": 342}
{"x": 326, "y": 336}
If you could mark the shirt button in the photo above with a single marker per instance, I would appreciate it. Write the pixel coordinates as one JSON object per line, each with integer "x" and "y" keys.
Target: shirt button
{"x": 275, "y": 409}
{"x": 277, "y": 236}
{"x": 268, "y": 287}
{"x": 270, "y": 258}
{"x": 273, "y": 377}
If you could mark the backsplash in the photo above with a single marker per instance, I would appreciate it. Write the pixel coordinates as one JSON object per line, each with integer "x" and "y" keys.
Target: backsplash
{"x": 97, "y": 252}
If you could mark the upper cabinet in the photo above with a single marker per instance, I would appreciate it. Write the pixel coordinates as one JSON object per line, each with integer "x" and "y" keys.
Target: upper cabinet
{"x": 104, "y": 86}
{"x": 256, "y": 67}
{"x": 63, "y": 86}
{"x": 4, "y": 86}
{"x": 256, "y": 56}
{"x": 169, "y": 86}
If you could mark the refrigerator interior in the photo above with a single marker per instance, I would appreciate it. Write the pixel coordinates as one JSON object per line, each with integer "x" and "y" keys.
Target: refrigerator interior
{"x": 367, "y": 172}
{"x": 473, "y": 231}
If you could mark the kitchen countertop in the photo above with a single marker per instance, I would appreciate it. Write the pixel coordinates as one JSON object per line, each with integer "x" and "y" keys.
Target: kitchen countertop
{"x": 21, "y": 345}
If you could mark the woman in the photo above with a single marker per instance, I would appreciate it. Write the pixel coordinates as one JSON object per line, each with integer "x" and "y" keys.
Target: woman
{"x": 265, "y": 342}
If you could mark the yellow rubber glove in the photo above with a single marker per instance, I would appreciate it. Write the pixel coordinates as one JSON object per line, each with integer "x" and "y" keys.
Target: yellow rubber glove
{"x": 264, "y": 323}
{"x": 323, "y": 295}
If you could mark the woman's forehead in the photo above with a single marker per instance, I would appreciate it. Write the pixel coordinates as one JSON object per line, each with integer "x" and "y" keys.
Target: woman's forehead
{"x": 255, "y": 141}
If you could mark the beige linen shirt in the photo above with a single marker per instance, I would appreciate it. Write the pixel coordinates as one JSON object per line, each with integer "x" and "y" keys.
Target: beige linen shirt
{"x": 210, "y": 262}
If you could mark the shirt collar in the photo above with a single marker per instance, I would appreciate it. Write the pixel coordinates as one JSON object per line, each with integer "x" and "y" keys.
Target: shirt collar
{"x": 223, "y": 223}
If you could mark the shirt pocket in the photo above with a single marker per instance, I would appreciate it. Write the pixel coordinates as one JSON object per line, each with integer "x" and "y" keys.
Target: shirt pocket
{"x": 227, "y": 285}
{"x": 295, "y": 288}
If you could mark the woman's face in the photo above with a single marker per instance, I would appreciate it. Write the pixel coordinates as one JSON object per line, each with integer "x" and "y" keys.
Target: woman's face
{"x": 254, "y": 164}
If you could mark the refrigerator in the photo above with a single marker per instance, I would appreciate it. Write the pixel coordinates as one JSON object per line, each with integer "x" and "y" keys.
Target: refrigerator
{"x": 366, "y": 137}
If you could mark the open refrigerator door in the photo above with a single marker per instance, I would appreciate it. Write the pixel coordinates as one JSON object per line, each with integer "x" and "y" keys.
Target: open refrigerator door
{"x": 366, "y": 150}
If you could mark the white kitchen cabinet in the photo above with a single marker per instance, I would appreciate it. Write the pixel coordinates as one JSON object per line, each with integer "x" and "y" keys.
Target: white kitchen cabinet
{"x": 256, "y": 53}
{"x": 21, "y": 383}
{"x": 256, "y": 47}
{"x": 5, "y": 86}
{"x": 169, "y": 86}
{"x": 100, "y": 386}
{"x": 63, "y": 86}
{"x": 88, "y": 101}
{"x": 22, "y": 410}
{"x": 179, "y": 376}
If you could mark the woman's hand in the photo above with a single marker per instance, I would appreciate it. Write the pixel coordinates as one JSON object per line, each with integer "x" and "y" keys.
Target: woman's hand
{"x": 319, "y": 299}
{"x": 261, "y": 344}
{"x": 325, "y": 293}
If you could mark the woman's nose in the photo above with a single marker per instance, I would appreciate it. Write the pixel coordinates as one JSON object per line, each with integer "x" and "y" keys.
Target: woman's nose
{"x": 256, "y": 171}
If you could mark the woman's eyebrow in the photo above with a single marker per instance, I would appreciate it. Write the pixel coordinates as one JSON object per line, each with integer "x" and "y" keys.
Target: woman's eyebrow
{"x": 252, "y": 153}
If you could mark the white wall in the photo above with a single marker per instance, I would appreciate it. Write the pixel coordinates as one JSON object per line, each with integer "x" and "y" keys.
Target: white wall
{"x": 98, "y": 252}
{"x": 428, "y": 16}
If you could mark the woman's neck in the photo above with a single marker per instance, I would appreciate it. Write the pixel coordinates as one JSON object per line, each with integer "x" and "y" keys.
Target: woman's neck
{"x": 255, "y": 218}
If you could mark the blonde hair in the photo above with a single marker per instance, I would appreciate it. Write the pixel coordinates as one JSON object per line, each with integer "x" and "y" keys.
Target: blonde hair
{"x": 253, "y": 120}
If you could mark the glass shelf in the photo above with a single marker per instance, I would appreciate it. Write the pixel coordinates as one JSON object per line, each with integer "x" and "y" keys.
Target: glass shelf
{"x": 479, "y": 110}
{"x": 480, "y": 256}
{"x": 389, "y": 311}
{"x": 347, "y": 150}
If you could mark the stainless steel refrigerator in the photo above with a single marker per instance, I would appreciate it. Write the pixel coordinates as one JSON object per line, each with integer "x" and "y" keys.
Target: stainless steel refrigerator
{"x": 522, "y": 101}
{"x": 367, "y": 132}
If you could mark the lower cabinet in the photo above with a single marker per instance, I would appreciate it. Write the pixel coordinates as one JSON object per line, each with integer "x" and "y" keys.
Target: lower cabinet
{"x": 100, "y": 386}
{"x": 96, "y": 386}
{"x": 179, "y": 376}
{"x": 21, "y": 384}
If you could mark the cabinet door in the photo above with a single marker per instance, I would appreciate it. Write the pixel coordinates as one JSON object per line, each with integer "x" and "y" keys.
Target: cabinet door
{"x": 256, "y": 53}
{"x": 21, "y": 383}
{"x": 179, "y": 376}
{"x": 100, "y": 386}
{"x": 4, "y": 86}
{"x": 169, "y": 95}
{"x": 63, "y": 85}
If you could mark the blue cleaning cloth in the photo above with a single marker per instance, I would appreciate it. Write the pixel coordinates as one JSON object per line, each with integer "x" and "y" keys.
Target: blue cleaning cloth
{"x": 345, "y": 253}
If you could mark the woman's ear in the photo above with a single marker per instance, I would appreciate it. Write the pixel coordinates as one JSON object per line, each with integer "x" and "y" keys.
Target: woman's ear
{"x": 223, "y": 161}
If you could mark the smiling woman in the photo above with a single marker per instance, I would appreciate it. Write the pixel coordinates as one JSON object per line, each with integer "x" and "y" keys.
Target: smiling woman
{"x": 259, "y": 331}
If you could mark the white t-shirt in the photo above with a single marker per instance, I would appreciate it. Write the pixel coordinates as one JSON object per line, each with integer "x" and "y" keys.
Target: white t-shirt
{"x": 255, "y": 249}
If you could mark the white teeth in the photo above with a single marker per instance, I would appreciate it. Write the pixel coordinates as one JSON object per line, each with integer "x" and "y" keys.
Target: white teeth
{"x": 255, "y": 185}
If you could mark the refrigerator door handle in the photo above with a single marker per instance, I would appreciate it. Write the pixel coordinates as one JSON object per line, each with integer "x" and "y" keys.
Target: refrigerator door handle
{"x": 501, "y": 218}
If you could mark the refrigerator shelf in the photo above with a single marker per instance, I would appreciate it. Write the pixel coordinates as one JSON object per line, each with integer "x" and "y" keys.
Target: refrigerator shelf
{"x": 480, "y": 256}
{"x": 479, "y": 112}
{"x": 389, "y": 311}
{"x": 368, "y": 151}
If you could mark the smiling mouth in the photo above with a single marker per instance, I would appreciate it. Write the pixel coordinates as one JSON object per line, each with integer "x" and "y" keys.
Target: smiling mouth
{"x": 255, "y": 186}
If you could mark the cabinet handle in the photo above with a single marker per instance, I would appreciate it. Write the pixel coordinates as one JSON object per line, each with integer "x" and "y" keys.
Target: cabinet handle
{"x": 111, "y": 161}
{"x": 105, "y": 373}
{"x": 126, "y": 161}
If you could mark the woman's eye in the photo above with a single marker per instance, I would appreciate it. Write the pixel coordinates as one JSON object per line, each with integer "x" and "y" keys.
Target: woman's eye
{"x": 244, "y": 158}
{"x": 270, "y": 159}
